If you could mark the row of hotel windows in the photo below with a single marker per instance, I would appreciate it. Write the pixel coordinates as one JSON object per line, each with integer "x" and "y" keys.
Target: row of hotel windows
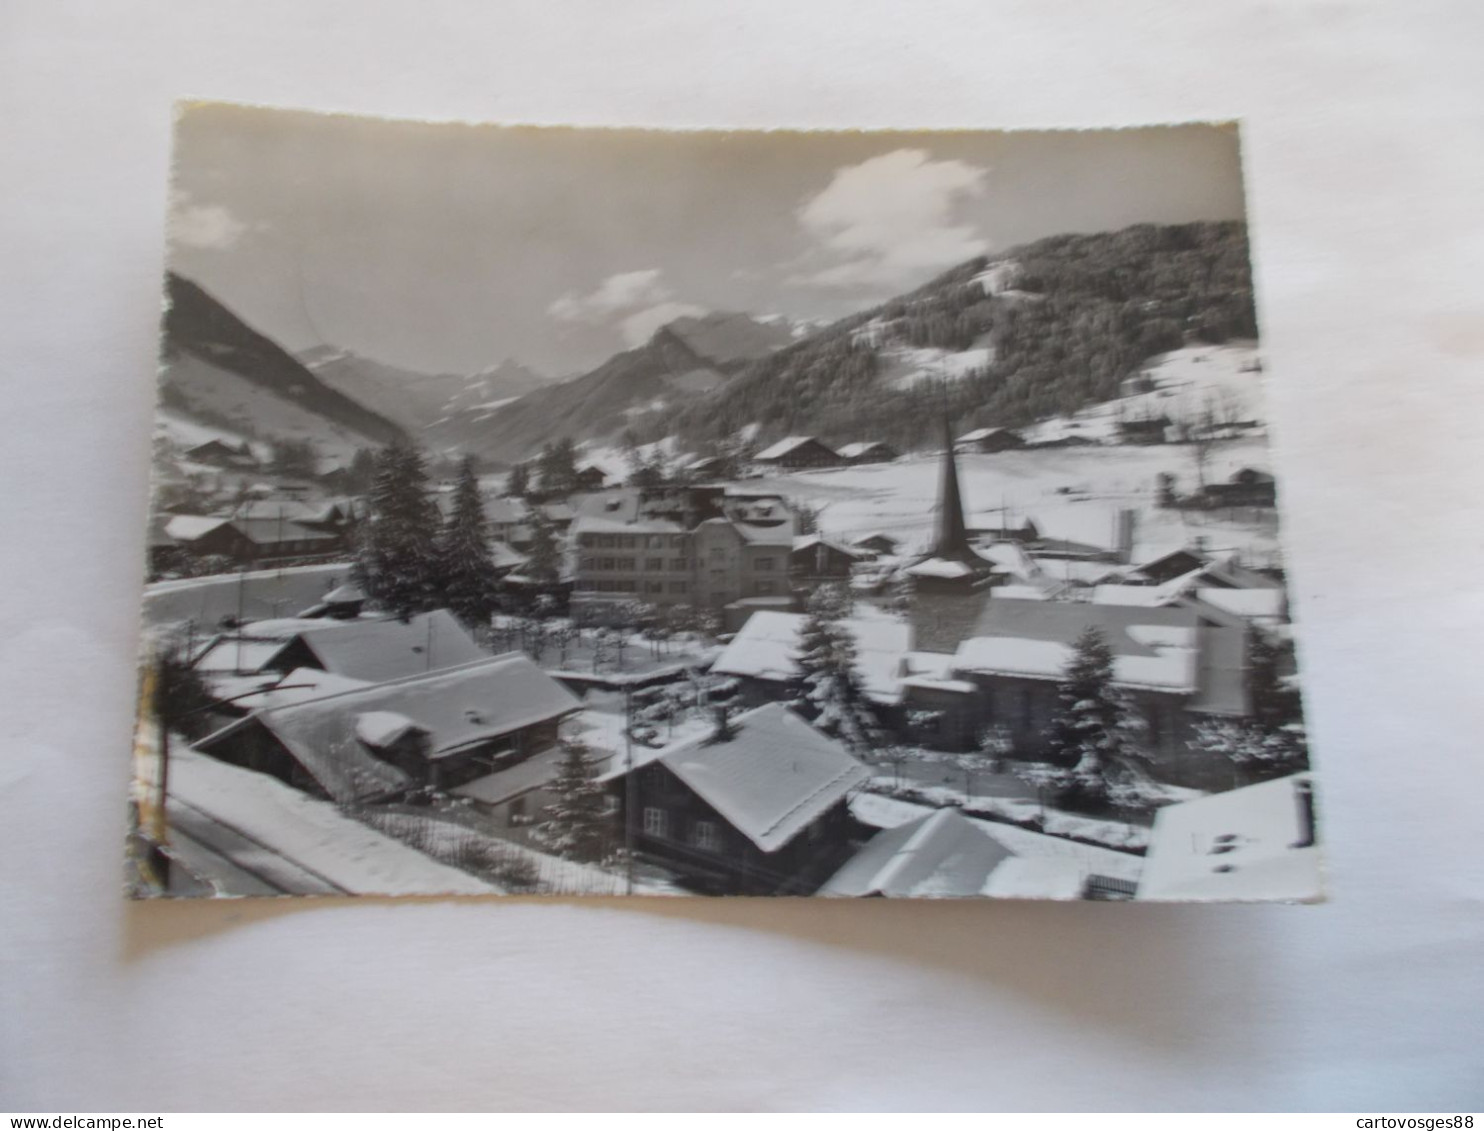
{"x": 629, "y": 565}
{"x": 677, "y": 587}
{"x": 658, "y": 565}
{"x": 632, "y": 541}
{"x": 705, "y": 835}
{"x": 588, "y": 585}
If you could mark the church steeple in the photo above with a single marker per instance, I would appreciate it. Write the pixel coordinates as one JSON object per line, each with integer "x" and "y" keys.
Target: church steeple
{"x": 952, "y": 541}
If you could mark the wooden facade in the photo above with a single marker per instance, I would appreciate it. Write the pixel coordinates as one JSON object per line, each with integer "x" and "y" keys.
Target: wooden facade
{"x": 673, "y": 826}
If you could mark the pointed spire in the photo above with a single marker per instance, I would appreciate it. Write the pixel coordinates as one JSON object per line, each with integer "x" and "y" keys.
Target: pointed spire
{"x": 952, "y": 542}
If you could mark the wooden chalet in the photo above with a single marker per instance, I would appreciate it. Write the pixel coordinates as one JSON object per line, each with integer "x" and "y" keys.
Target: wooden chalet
{"x": 987, "y": 441}
{"x": 758, "y": 808}
{"x": 487, "y": 730}
{"x": 1246, "y": 488}
{"x": 814, "y": 560}
{"x": 798, "y": 453}
{"x": 869, "y": 451}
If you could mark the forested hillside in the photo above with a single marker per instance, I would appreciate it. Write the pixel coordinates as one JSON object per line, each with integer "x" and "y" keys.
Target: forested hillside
{"x": 1058, "y": 323}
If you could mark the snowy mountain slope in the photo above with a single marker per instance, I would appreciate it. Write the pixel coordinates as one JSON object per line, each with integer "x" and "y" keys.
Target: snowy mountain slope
{"x": 419, "y": 401}
{"x": 221, "y": 372}
{"x": 683, "y": 361}
{"x": 1190, "y": 384}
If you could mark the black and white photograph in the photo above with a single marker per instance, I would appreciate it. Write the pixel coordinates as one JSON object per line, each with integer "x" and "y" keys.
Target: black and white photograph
{"x": 581, "y": 511}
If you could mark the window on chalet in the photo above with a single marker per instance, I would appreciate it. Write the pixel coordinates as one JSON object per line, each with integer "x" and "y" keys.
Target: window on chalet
{"x": 765, "y": 563}
{"x": 656, "y": 821}
{"x": 706, "y": 835}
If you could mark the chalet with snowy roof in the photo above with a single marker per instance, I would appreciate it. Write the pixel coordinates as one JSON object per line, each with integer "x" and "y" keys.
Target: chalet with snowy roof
{"x": 798, "y": 453}
{"x": 381, "y": 649}
{"x": 1177, "y": 664}
{"x": 1247, "y": 487}
{"x": 758, "y": 808}
{"x": 476, "y": 730}
{"x": 250, "y": 541}
{"x": 705, "y": 468}
{"x": 942, "y": 855}
{"x": 219, "y": 453}
{"x": 763, "y": 656}
{"x": 869, "y": 451}
{"x": 815, "y": 560}
{"x": 877, "y": 544}
{"x": 1144, "y": 430}
{"x": 590, "y": 477}
{"x": 1258, "y": 842}
{"x": 344, "y": 602}
{"x": 987, "y": 441}
{"x": 508, "y": 519}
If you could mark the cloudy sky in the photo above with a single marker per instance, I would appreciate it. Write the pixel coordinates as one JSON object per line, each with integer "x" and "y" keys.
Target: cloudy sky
{"x": 446, "y": 248}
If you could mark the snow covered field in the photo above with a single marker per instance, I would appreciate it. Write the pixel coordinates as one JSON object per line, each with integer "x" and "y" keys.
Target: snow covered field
{"x": 1072, "y": 493}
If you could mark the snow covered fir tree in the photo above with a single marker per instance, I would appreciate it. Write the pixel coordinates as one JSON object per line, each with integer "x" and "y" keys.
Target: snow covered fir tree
{"x": 882, "y": 577}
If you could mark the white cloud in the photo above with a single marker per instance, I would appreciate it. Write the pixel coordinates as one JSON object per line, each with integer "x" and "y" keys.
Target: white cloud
{"x": 889, "y": 220}
{"x": 635, "y": 303}
{"x": 209, "y": 227}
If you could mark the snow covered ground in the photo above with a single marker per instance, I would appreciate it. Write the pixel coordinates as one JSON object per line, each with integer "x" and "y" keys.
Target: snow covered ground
{"x": 311, "y": 834}
{"x": 1224, "y": 380}
{"x": 1072, "y": 493}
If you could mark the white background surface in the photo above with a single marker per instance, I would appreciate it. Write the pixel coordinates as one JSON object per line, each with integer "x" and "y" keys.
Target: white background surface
{"x": 1365, "y": 170}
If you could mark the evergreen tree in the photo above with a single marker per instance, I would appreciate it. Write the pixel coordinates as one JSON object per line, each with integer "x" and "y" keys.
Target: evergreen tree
{"x": 467, "y": 569}
{"x": 557, "y": 466}
{"x": 398, "y": 561}
{"x": 518, "y": 485}
{"x": 544, "y": 558}
{"x": 1095, "y": 727}
{"x": 1255, "y": 753}
{"x": 829, "y": 685}
{"x": 577, "y": 825}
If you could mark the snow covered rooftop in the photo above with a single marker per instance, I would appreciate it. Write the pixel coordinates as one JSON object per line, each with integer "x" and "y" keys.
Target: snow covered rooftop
{"x": 942, "y": 855}
{"x": 298, "y": 685}
{"x": 786, "y": 445}
{"x": 1037, "y": 877}
{"x": 983, "y": 434}
{"x": 861, "y": 448}
{"x": 1252, "y": 843}
{"x": 597, "y": 524}
{"x": 458, "y": 707}
{"x": 379, "y": 650}
{"x": 1152, "y": 648}
{"x": 772, "y": 778}
{"x": 309, "y": 833}
{"x": 1262, "y": 605}
{"x": 189, "y": 527}
{"x": 767, "y": 646}
{"x": 940, "y": 567}
{"x": 808, "y": 541}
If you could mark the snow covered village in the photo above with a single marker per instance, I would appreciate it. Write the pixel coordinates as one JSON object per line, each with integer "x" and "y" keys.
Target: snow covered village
{"x": 960, "y": 579}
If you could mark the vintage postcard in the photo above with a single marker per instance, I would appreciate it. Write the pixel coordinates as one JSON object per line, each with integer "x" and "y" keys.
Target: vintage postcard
{"x": 544, "y": 510}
